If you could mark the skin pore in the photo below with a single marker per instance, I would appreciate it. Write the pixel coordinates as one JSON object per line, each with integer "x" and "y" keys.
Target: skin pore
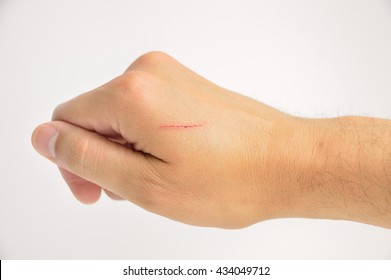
{"x": 172, "y": 142}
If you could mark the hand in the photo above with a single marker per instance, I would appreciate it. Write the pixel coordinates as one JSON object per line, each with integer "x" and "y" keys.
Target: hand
{"x": 170, "y": 141}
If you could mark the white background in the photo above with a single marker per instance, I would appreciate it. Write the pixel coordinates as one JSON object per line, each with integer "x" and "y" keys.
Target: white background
{"x": 310, "y": 58}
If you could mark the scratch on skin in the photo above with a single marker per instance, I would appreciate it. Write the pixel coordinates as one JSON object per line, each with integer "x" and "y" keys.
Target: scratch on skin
{"x": 183, "y": 126}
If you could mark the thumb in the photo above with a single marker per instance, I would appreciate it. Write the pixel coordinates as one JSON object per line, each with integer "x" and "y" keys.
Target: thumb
{"x": 90, "y": 156}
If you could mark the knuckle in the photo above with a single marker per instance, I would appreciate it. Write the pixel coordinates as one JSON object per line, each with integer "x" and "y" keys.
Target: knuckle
{"x": 57, "y": 113}
{"x": 131, "y": 83}
{"x": 152, "y": 58}
{"x": 81, "y": 157}
{"x": 76, "y": 153}
{"x": 131, "y": 90}
{"x": 134, "y": 80}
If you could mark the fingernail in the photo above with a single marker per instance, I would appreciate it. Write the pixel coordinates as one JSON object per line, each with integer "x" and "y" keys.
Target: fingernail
{"x": 44, "y": 140}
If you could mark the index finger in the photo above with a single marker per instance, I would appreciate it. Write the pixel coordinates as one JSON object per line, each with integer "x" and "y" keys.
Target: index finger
{"x": 91, "y": 110}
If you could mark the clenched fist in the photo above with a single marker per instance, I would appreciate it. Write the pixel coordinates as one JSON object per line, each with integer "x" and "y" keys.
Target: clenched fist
{"x": 172, "y": 142}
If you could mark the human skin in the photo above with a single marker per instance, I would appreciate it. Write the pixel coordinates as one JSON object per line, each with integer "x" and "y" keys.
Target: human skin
{"x": 176, "y": 144}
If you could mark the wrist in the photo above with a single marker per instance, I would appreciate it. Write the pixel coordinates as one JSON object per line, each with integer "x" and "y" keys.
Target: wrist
{"x": 295, "y": 155}
{"x": 347, "y": 174}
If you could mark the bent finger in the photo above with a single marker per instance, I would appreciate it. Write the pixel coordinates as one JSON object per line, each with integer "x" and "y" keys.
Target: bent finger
{"x": 95, "y": 158}
{"x": 84, "y": 191}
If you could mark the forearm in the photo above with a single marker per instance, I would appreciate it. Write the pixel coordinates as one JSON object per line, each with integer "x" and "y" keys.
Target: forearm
{"x": 350, "y": 174}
